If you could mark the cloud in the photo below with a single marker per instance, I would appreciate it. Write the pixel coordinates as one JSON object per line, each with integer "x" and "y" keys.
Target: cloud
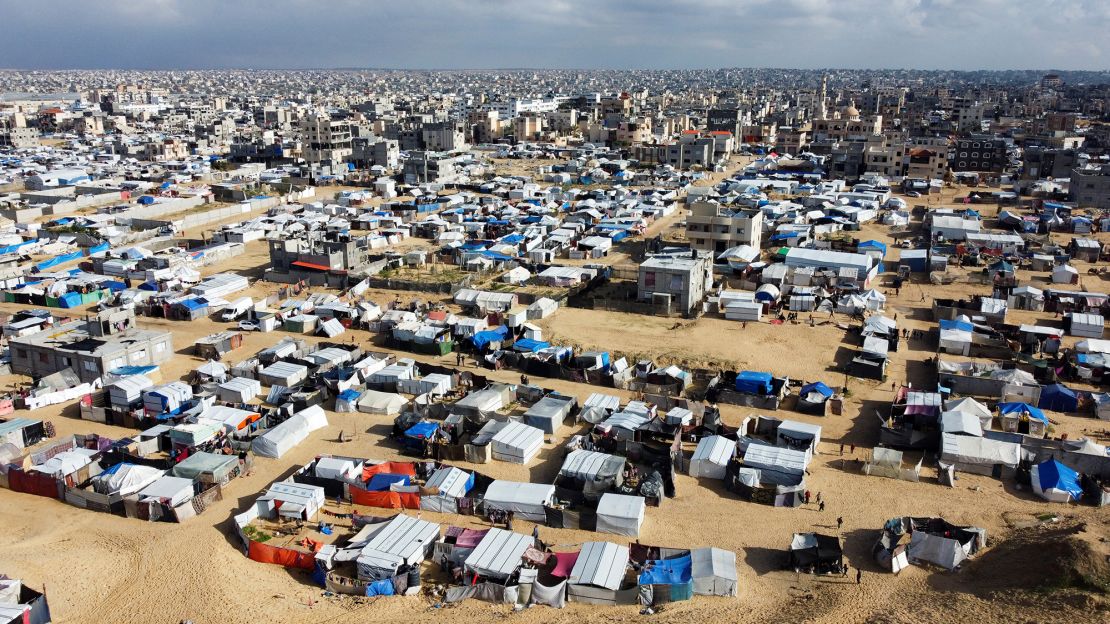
{"x": 958, "y": 34}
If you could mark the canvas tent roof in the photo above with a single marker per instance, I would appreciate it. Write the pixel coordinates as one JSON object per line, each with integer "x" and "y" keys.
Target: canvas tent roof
{"x": 964, "y": 423}
{"x": 711, "y": 457}
{"x": 714, "y": 571}
{"x": 971, "y": 450}
{"x": 403, "y": 539}
{"x": 620, "y": 514}
{"x": 601, "y": 564}
{"x": 591, "y": 465}
{"x": 1056, "y": 482}
{"x": 498, "y": 554}
{"x": 450, "y": 481}
{"x": 526, "y": 500}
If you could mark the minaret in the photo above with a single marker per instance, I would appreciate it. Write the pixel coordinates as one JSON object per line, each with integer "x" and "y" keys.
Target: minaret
{"x": 821, "y": 111}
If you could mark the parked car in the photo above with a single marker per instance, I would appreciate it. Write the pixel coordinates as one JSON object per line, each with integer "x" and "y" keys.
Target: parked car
{"x": 249, "y": 326}
{"x": 913, "y": 194}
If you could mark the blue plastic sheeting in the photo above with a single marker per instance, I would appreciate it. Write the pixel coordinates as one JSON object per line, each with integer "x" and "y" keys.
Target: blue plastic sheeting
{"x": 753, "y": 382}
{"x": 1022, "y": 408}
{"x": 422, "y": 430}
{"x": 483, "y": 338}
{"x": 146, "y": 200}
{"x": 473, "y": 246}
{"x": 114, "y": 286}
{"x": 784, "y": 236}
{"x": 380, "y": 588}
{"x": 492, "y": 255}
{"x": 527, "y": 345}
{"x": 7, "y": 249}
{"x": 192, "y": 304}
{"x": 1054, "y": 475}
{"x": 349, "y": 395}
{"x": 70, "y": 300}
{"x": 1058, "y": 398}
{"x": 382, "y": 481}
{"x": 125, "y": 371}
{"x": 960, "y": 325}
{"x": 99, "y": 248}
{"x": 148, "y": 286}
{"x": 55, "y": 261}
{"x": 819, "y": 387}
{"x": 873, "y": 244}
{"x": 512, "y": 239}
{"x": 667, "y": 571}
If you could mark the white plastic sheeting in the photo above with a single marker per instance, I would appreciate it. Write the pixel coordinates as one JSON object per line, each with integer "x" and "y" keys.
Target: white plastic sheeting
{"x": 277, "y": 441}
{"x": 711, "y": 457}
{"x": 525, "y": 500}
{"x": 620, "y": 514}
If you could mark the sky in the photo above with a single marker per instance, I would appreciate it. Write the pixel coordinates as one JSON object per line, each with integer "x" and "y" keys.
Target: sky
{"x": 587, "y": 34}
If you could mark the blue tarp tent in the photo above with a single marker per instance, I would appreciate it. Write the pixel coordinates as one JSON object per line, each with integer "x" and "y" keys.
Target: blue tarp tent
{"x": 483, "y": 338}
{"x": 1022, "y": 408}
{"x": 1055, "y": 481}
{"x": 818, "y": 387}
{"x": 527, "y": 345}
{"x": 70, "y": 300}
{"x": 753, "y": 382}
{"x": 382, "y": 481}
{"x": 380, "y": 588}
{"x": 675, "y": 573}
{"x": 1058, "y": 398}
{"x": 422, "y": 430}
{"x": 960, "y": 325}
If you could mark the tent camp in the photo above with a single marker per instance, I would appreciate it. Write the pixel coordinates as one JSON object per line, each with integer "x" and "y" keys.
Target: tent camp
{"x": 598, "y": 573}
{"x": 277, "y": 441}
{"x": 714, "y": 571}
{"x": 517, "y": 443}
{"x": 1055, "y": 482}
{"x": 525, "y": 500}
{"x": 711, "y": 457}
{"x": 498, "y": 555}
{"x": 402, "y": 541}
{"x": 381, "y": 403}
{"x": 620, "y": 514}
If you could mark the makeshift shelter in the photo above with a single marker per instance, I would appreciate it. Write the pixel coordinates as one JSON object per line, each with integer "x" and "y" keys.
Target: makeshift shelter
{"x": 293, "y": 500}
{"x": 711, "y": 457}
{"x": 1087, "y": 325}
{"x": 526, "y": 500}
{"x": 277, "y": 441}
{"x": 778, "y": 465}
{"x": 961, "y": 423}
{"x": 400, "y": 542}
{"x": 1058, "y": 398}
{"x": 347, "y": 401}
{"x": 1055, "y": 482}
{"x": 125, "y": 479}
{"x": 517, "y": 442}
{"x": 207, "y": 467}
{"x": 283, "y": 374}
{"x": 816, "y": 553}
{"x": 885, "y": 462}
{"x": 128, "y": 392}
{"x": 171, "y": 491}
{"x": 338, "y": 468}
{"x": 167, "y": 399}
{"x": 670, "y": 579}
{"x": 381, "y": 403}
{"x": 497, "y": 556}
{"x": 450, "y": 484}
{"x": 22, "y": 432}
{"x": 598, "y": 573}
{"x": 943, "y": 551}
{"x": 979, "y": 455}
{"x": 813, "y": 398}
{"x": 713, "y": 571}
{"x": 620, "y": 514}
{"x": 239, "y": 390}
{"x": 1016, "y": 416}
{"x": 549, "y": 413}
{"x": 971, "y": 406}
{"x": 955, "y": 337}
{"x": 754, "y": 382}
{"x": 799, "y": 436}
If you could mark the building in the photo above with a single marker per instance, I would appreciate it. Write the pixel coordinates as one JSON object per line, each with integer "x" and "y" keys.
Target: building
{"x": 91, "y": 347}
{"x": 327, "y": 141}
{"x": 715, "y": 228}
{"x": 678, "y": 280}
{"x": 444, "y": 136}
{"x": 421, "y": 167}
{"x": 1090, "y": 187}
{"x": 724, "y": 120}
{"x": 19, "y": 137}
{"x": 316, "y": 256}
{"x": 979, "y": 153}
{"x": 926, "y": 157}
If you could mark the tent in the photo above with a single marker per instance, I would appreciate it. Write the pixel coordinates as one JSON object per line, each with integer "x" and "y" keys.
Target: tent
{"x": 714, "y": 571}
{"x": 336, "y": 468}
{"x": 779, "y": 465}
{"x": 962, "y": 423}
{"x": 754, "y": 382}
{"x": 172, "y": 491}
{"x": 812, "y": 398}
{"x": 620, "y": 514}
{"x": 971, "y": 406}
{"x": 451, "y": 483}
{"x": 125, "y": 479}
{"x": 526, "y": 500}
{"x": 283, "y": 374}
{"x": 955, "y": 337}
{"x": 207, "y": 467}
{"x": 711, "y": 457}
{"x": 979, "y": 455}
{"x": 1058, "y": 398}
{"x": 549, "y": 413}
{"x": 674, "y": 575}
{"x": 402, "y": 541}
{"x": 821, "y": 554}
{"x": 499, "y": 553}
{"x": 1023, "y": 411}
{"x": 798, "y": 435}
{"x": 592, "y": 472}
{"x": 347, "y": 401}
{"x": 381, "y": 403}
{"x": 936, "y": 549}
{"x": 1056, "y": 482}
{"x": 277, "y": 441}
{"x": 517, "y": 443}
{"x": 598, "y": 573}
{"x": 239, "y": 390}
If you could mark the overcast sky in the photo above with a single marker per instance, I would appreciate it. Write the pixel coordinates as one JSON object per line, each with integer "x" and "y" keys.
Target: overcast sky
{"x": 926, "y": 34}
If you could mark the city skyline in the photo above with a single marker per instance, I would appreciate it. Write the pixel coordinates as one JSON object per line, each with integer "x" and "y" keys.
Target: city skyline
{"x": 559, "y": 34}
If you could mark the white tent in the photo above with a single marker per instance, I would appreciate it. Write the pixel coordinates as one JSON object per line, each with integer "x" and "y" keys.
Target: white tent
{"x": 335, "y": 468}
{"x": 777, "y": 464}
{"x": 798, "y": 435}
{"x": 384, "y": 403}
{"x": 620, "y": 514}
{"x": 525, "y": 500}
{"x": 172, "y": 491}
{"x": 297, "y": 500}
{"x": 451, "y": 483}
{"x": 713, "y": 571}
{"x": 403, "y": 540}
{"x": 978, "y": 455}
{"x": 499, "y": 553}
{"x": 1093, "y": 345}
{"x": 947, "y": 553}
{"x": 711, "y": 457}
{"x": 597, "y": 573}
{"x": 971, "y": 406}
{"x": 517, "y": 442}
{"x": 239, "y": 390}
{"x": 959, "y": 422}
{"x": 277, "y": 441}
{"x": 126, "y": 479}
{"x": 283, "y": 374}
{"x": 874, "y": 300}
{"x": 955, "y": 340}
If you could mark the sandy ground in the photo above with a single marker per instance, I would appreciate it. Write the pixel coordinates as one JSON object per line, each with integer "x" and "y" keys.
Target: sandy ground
{"x": 101, "y": 568}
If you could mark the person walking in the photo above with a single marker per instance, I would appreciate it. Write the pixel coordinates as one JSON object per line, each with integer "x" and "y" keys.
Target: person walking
{"x": 839, "y": 522}
{"x": 842, "y": 449}
{"x": 859, "y": 576}
{"x": 821, "y": 506}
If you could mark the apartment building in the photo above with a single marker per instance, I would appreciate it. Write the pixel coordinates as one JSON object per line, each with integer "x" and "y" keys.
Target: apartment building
{"x": 327, "y": 141}
{"x": 714, "y": 228}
